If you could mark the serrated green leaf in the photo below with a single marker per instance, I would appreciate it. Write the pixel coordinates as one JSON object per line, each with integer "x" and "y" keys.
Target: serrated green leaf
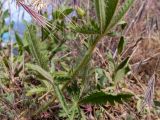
{"x": 94, "y": 98}
{"x": 89, "y": 28}
{"x": 121, "y": 45}
{"x": 37, "y": 48}
{"x": 36, "y": 90}
{"x": 61, "y": 76}
{"x": 56, "y": 88}
{"x": 121, "y": 12}
{"x": 111, "y": 6}
{"x": 102, "y": 98}
{"x": 42, "y": 72}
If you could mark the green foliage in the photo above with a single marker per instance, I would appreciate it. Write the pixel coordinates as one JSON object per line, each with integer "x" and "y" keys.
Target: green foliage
{"x": 37, "y": 48}
{"x": 121, "y": 45}
{"x": 102, "y": 98}
{"x": 117, "y": 68}
{"x": 80, "y": 12}
{"x": 61, "y": 14}
{"x": 89, "y": 28}
{"x": 48, "y": 70}
{"x": 61, "y": 76}
{"x": 55, "y": 86}
{"x": 105, "y": 10}
{"x": 37, "y": 90}
{"x": 120, "y": 13}
{"x": 101, "y": 13}
{"x": 122, "y": 64}
{"x": 20, "y": 43}
{"x": 110, "y": 11}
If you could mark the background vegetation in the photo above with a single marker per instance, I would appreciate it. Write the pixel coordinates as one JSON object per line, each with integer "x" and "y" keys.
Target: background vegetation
{"x": 87, "y": 60}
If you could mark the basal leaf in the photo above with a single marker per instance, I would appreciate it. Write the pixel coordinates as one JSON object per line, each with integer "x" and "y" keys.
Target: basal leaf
{"x": 56, "y": 88}
{"x": 94, "y": 98}
{"x": 100, "y": 97}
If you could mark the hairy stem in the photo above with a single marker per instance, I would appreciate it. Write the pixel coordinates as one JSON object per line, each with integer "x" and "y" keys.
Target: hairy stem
{"x": 87, "y": 56}
{"x": 84, "y": 62}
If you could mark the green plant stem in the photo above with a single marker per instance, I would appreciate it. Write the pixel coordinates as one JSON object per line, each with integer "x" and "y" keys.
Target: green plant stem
{"x": 84, "y": 62}
{"x": 87, "y": 56}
